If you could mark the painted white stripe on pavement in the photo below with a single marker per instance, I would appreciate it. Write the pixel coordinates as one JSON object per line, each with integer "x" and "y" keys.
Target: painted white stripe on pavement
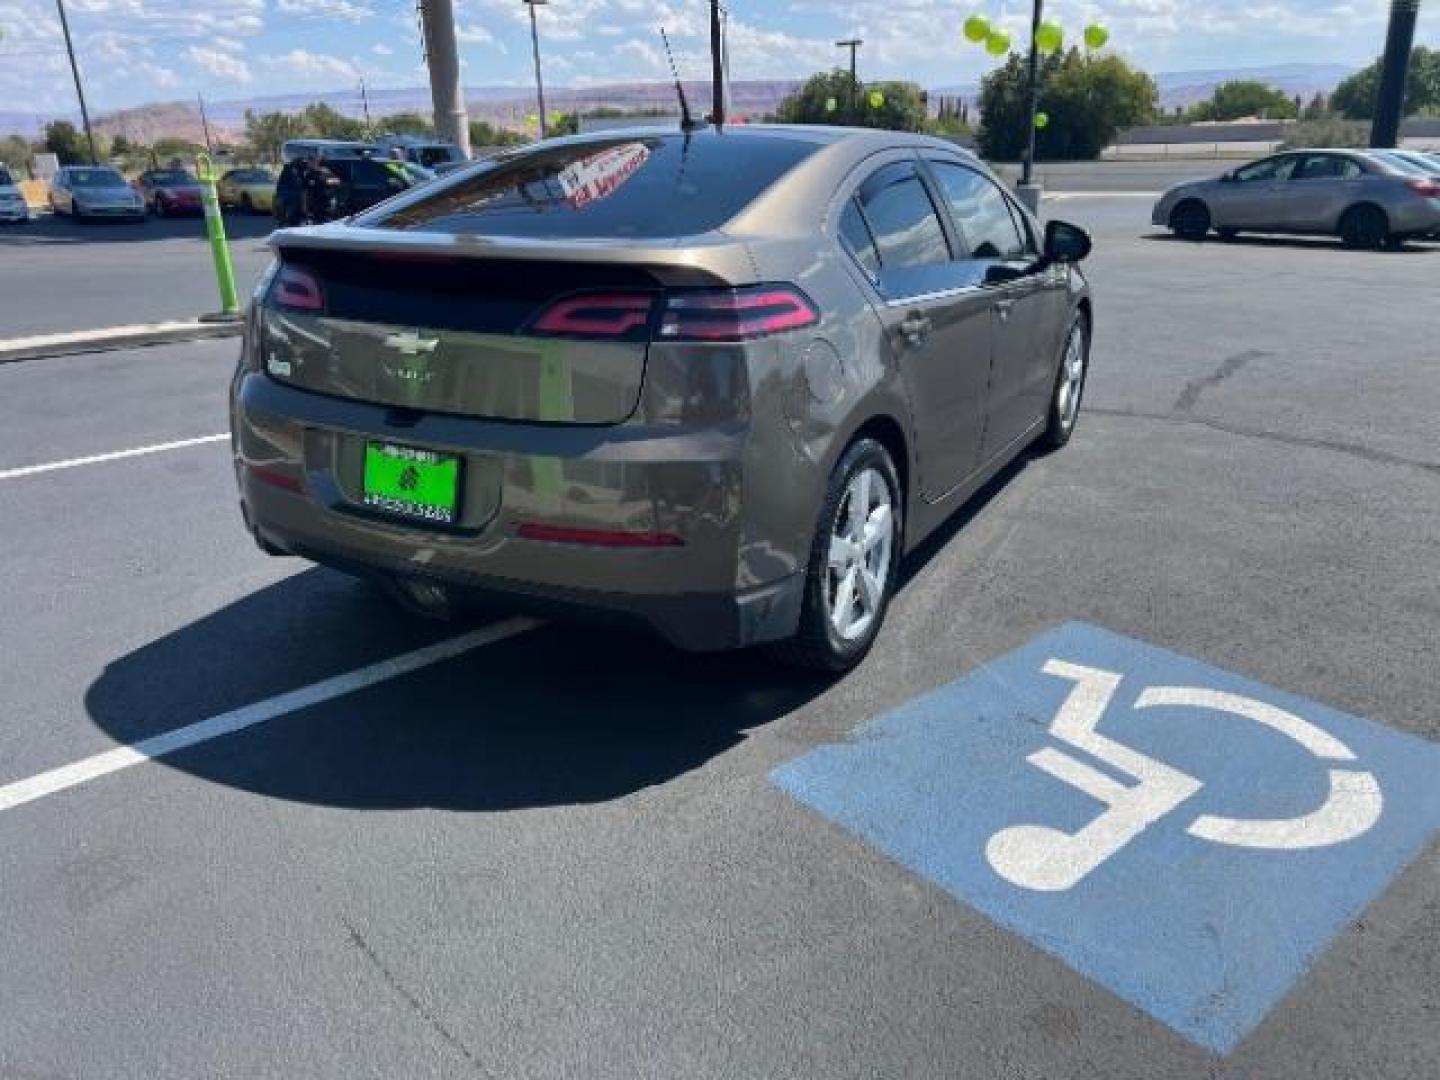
{"x": 105, "y": 333}
{"x": 1103, "y": 194}
{"x": 157, "y": 746}
{"x": 114, "y": 455}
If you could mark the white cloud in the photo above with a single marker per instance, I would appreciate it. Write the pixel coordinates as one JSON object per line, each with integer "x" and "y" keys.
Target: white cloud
{"x": 381, "y": 49}
{"x": 309, "y": 66}
{"x": 344, "y": 10}
{"x": 219, "y": 61}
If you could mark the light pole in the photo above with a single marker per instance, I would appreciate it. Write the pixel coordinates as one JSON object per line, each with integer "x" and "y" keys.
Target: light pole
{"x": 1390, "y": 103}
{"x": 535, "y": 46}
{"x": 852, "y": 44}
{"x": 79, "y": 91}
{"x": 1032, "y": 96}
{"x": 442, "y": 56}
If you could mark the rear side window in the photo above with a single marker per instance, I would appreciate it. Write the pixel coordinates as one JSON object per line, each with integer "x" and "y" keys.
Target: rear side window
{"x": 639, "y": 187}
{"x": 1326, "y": 167}
{"x": 857, "y": 239}
{"x": 981, "y": 212}
{"x": 902, "y": 219}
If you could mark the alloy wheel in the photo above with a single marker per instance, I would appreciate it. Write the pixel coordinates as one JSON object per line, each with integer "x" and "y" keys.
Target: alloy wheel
{"x": 861, "y": 540}
{"x": 1072, "y": 376}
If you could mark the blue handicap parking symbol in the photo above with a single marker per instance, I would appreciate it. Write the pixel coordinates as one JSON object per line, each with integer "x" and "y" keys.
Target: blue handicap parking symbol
{"x": 1186, "y": 837}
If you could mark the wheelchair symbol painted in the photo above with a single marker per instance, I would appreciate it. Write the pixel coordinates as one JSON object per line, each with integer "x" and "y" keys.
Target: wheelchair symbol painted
{"x": 1046, "y": 859}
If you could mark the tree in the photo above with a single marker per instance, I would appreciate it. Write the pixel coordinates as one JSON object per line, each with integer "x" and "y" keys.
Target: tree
{"x": 16, "y": 152}
{"x": 405, "y": 123}
{"x": 483, "y": 133}
{"x": 1085, "y": 98}
{"x": 265, "y": 133}
{"x": 326, "y": 122}
{"x": 827, "y": 97}
{"x": 563, "y": 124}
{"x": 1355, "y": 98}
{"x": 1318, "y": 109}
{"x": 1245, "y": 97}
{"x": 64, "y": 140}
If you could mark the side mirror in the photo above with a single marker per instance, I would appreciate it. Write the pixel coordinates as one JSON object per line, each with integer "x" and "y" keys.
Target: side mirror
{"x": 1065, "y": 243}
{"x": 1227, "y": 177}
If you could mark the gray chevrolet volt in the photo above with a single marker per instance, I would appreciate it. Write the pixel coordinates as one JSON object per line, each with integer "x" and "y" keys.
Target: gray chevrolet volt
{"x": 716, "y": 382}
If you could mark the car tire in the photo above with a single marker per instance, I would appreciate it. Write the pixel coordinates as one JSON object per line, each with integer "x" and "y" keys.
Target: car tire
{"x": 1364, "y": 227}
{"x": 1190, "y": 220}
{"x": 841, "y": 564}
{"x": 1228, "y": 235}
{"x": 1069, "y": 390}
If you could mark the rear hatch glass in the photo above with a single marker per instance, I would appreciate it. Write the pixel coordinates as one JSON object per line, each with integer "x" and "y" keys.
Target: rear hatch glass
{"x": 639, "y": 187}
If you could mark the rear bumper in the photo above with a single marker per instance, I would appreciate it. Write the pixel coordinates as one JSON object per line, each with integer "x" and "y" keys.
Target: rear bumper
{"x": 299, "y": 458}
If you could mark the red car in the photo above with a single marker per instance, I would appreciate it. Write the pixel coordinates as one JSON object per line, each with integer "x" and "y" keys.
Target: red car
{"x": 169, "y": 191}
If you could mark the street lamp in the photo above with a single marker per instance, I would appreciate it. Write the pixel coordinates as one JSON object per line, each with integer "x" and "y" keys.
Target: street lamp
{"x": 535, "y": 46}
{"x": 852, "y": 44}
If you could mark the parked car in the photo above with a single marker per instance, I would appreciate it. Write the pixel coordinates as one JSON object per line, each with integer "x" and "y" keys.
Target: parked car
{"x": 714, "y": 383}
{"x": 295, "y": 149}
{"x": 1364, "y": 199}
{"x": 169, "y": 192}
{"x": 440, "y": 157}
{"x": 250, "y": 189}
{"x": 361, "y": 183}
{"x": 94, "y": 191}
{"x": 12, "y": 201}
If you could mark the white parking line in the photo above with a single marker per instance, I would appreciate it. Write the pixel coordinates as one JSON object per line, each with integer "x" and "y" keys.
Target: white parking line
{"x": 115, "y": 455}
{"x": 1103, "y": 194}
{"x": 157, "y": 746}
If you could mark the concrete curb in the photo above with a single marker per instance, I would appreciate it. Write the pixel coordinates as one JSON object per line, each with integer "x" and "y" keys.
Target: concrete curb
{"x": 113, "y": 337}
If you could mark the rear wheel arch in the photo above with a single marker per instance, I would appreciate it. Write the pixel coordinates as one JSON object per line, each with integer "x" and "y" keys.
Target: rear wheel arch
{"x": 889, "y": 433}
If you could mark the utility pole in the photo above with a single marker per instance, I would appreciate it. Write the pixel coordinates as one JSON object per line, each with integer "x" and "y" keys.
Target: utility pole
{"x": 205, "y": 125}
{"x": 79, "y": 91}
{"x": 852, "y": 44}
{"x": 717, "y": 68}
{"x": 365, "y": 102}
{"x": 1032, "y": 96}
{"x": 535, "y": 47}
{"x": 1390, "y": 105}
{"x": 442, "y": 55}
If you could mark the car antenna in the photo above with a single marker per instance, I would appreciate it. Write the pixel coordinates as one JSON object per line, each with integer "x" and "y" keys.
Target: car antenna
{"x": 687, "y": 122}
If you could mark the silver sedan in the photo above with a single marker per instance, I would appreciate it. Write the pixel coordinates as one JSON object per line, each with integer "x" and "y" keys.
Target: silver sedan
{"x": 1365, "y": 200}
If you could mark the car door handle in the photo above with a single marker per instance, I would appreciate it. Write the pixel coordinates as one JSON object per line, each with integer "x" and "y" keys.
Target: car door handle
{"x": 915, "y": 328}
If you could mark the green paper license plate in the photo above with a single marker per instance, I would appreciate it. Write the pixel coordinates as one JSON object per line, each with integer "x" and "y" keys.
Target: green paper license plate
{"x": 412, "y": 482}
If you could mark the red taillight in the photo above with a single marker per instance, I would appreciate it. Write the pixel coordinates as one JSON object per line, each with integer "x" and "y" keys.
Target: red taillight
{"x": 735, "y": 314}
{"x": 602, "y": 315}
{"x": 1430, "y": 189}
{"x": 296, "y": 289}
{"x": 560, "y": 534}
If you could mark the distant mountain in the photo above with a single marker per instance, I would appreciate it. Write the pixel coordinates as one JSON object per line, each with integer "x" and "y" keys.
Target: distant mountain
{"x": 1185, "y": 88}
{"x": 512, "y": 105}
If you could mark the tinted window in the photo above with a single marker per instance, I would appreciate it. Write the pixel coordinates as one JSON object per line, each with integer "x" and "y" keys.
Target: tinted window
{"x": 1326, "y": 167}
{"x": 5, "y": 179}
{"x": 250, "y": 176}
{"x": 902, "y": 219}
{"x": 981, "y": 212}
{"x": 95, "y": 178}
{"x": 1276, "y": 168}
{"x": 170, "y": 176}
{"x": 856, "y": 236}
{"x": 650, "y": 186}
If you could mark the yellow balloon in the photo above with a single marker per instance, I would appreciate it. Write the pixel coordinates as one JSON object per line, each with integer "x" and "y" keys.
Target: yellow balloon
{"x": 1049, "y": 37}
{"x": 977, "y": 28}
{"x": 877, "y": 99}
{"x": 1096, "y": 35}
{"x": 1041, "y": 119}
{"x": 831, "y": 104}
{"x": 997, "y": 43}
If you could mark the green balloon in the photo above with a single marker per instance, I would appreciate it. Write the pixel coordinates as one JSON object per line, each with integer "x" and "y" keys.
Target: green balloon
{"x": 1041, "y": 119}
{"x": 877, "y": 99}
{"x": 997, "y": 43}
{"x": 977, "y": 28}
{"x": 1049, "y": 37}
{"x": 831, "y": 104}
{"x": 1096, "y": 35}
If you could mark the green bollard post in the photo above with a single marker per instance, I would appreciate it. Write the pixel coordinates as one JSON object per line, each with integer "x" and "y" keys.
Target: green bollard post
{"x": 219, "y": 247}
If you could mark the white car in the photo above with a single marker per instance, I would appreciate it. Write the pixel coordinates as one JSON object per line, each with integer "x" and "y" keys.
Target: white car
{"x": 12, "y": 203}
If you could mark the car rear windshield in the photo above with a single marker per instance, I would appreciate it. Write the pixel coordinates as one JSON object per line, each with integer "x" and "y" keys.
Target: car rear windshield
{"x": 638, "y": 187}
{"x": 251, "y": 176}
{"x": 171, "y": 176}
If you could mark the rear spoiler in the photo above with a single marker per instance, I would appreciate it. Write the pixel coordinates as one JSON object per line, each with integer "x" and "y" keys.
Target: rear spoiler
{"x": 712, "y": 253}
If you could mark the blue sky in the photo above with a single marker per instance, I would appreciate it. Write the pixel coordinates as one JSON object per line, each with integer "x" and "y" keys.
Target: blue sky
{"x": 135, "y": 51}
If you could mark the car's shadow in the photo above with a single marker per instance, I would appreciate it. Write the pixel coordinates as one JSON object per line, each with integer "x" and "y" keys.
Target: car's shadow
{"x": 1304, "y": 243}
{"x": 56, "y": 229}
{"x": 556, "y": 715}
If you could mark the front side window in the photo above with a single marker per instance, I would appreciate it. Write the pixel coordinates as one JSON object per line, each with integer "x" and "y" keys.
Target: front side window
{"x": 1276, "y": 168}
{"x": 1326, "y": 167}
{"x": 981, "y": 212}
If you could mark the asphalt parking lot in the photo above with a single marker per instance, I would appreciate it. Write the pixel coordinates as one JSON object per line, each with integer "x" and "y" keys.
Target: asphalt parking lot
{"x": 552, "y": 852}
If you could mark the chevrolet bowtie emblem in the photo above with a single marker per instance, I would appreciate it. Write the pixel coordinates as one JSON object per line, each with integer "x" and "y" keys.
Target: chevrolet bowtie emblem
{"x": 412, "y": 343}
